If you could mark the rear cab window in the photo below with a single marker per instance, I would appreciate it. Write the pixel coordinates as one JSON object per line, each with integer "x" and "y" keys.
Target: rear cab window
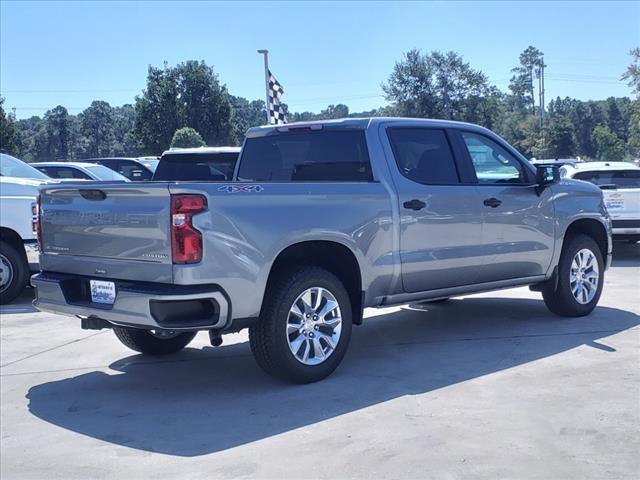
{"x": 197, "y": 167}
{"x": 328, "y": 155}
{"x": 619, "y": 179}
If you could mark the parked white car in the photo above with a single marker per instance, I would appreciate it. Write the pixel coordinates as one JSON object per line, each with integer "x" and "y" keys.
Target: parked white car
{"x": 79, "y": 171}
{"x": 19, "y": 184}
{"x": 620, "y": 184}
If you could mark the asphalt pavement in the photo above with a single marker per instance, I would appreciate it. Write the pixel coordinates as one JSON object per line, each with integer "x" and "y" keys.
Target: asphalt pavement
{"x": 485, "y": 386}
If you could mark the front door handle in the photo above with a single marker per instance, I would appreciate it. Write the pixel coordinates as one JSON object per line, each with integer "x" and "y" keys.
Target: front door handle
{"x": 414, "y": 204}
{"x": 492, "y": 202}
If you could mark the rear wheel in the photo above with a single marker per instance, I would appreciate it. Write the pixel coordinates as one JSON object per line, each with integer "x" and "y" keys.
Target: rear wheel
{"x": 304, "y": 328}
{"x": 153, "y": 342}
{"x": 14, "y": 272}
{"x": 580, "y": 278}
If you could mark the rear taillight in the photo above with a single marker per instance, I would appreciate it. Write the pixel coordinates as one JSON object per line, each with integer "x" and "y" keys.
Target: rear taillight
{"x": 36, "y": 222}
{"x": 186, "y": 241}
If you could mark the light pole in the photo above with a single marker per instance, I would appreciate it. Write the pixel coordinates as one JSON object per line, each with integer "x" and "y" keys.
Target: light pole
{"x": 265, "y": 53}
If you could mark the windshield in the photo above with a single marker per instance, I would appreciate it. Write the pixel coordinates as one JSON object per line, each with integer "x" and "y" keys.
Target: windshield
{"x": 12, "y": 167}
{"x": 104, "y": 173}
{"x": 620, "y": 178}
{"x": 150, "y": 163}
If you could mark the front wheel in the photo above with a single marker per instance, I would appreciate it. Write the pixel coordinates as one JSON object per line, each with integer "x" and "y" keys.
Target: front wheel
{"x": 580, "y": 279}
{"x": 153, "y": 342}
{"x": 304, "y": 328}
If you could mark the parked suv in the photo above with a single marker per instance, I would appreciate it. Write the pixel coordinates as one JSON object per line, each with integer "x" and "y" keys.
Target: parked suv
{"x": 620, "y": 184}
{"x": 319, "y": 221}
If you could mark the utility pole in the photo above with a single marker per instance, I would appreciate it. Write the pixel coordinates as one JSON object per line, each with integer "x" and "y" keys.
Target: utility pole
{"x": 265, "y": 53}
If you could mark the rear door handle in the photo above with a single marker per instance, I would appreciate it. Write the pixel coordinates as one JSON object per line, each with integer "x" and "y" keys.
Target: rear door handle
{"x": 414, "y": 204}
{"x": 492, "y": 202}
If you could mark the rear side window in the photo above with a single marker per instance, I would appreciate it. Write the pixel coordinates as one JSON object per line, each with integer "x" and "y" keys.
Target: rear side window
{"x": 308, "y": 156}
{"x": 620, "y": 178}
{"x": 196, "y": 167}
{"x": 424, "y": 155}
{"x": 65, "y": 172}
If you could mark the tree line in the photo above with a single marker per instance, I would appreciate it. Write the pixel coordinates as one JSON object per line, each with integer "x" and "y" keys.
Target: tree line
{"x": 186, "y": 105}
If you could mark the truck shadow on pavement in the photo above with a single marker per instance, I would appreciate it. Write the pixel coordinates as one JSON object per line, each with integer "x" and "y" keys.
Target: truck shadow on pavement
{"x": 203, "y": 401}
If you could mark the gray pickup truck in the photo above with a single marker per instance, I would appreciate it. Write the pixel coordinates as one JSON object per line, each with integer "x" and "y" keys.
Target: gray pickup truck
{"x": 319, "y": 221}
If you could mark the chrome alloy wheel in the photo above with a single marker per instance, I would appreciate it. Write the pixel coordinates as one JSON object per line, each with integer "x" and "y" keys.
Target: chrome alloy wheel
{"x": 314, "y": 326}
{"x": 584, "y": 276}
{"x": 6, "y": 273}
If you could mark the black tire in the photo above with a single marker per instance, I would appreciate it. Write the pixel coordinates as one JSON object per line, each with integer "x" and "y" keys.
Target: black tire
{"x": 16, "y": 268}
{"x": 268, "y": 336}
{"x": 144, "y": 342}
{"x": 560, "y": 300}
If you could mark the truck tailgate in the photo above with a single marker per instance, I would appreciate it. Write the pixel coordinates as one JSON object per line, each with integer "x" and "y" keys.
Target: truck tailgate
{"x": 107, "y": 230}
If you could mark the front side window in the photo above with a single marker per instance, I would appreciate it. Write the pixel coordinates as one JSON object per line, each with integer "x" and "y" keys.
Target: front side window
{"x": 492, "y": 162}
{"x": 306, "y": 156}
{"x": 424, "y": 155}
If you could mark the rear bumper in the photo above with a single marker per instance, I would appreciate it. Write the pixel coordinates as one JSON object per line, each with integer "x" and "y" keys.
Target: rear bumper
{"x": 137, "y": 304}
{"x": 626, "y": 227}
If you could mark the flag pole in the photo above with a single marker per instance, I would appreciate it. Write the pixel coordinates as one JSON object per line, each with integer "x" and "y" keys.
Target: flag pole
{"x": 265, "y": 53}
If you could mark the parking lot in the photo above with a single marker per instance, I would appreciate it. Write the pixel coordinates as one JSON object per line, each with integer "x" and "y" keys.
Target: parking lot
{"x": 486, "y": 386}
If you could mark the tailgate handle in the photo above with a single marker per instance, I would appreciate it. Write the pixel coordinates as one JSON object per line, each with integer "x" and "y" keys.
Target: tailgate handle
{"x": 94, "y": 195}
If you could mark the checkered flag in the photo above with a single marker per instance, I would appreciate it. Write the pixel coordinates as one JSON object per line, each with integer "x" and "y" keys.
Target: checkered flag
{"x": 276, "y": 112}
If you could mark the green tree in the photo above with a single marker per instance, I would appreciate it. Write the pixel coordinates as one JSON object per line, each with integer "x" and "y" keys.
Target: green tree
{"x": 615, "y": 120}
{"x": 58, "y": 135}
{"x": 246, "y": 114}
{"x": 632, "y": 75}
{"x": 7, "y": 130}
{"x": 335, "y": 111}
{"x": 124, "y": 141}
{"x": 584, "y": 118}
{"x": 97, "y": 127}
{"x": 634, "y": 129}
{"x": 188, "y": 95}
{"x": 521, "y": 130}
{"x": 186, "y": 137}
{"x": 521, "y": 84}
{"x": 156, "y": 110}
{"x": 435, "y": 85}
{"x": 557, "y": 139}
{"x": 610, "y": 147}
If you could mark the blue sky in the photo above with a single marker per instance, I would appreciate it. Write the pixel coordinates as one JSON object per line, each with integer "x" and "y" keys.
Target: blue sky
{"x": 322, "y": 52}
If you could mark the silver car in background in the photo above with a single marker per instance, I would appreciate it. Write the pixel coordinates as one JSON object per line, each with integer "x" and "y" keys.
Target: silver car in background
{"x": 79, "y": 171}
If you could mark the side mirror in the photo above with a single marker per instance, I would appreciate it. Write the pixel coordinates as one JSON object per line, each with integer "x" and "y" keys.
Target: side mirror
{"x": 547, "y": 175}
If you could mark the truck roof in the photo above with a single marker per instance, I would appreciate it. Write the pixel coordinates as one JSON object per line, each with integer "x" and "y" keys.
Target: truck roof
{"x": 361, "y": 123}
{"x": 64, "y": 164}
{"x": 591, "y": 166}
{"x": 174, "y": 151}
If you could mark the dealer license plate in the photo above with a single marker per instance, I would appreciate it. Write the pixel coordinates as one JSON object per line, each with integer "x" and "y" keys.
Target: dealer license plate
{"x": 102, "y": 292}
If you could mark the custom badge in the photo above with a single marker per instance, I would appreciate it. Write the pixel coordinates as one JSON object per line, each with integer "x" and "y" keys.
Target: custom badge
{"x": 241, "y": 188}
